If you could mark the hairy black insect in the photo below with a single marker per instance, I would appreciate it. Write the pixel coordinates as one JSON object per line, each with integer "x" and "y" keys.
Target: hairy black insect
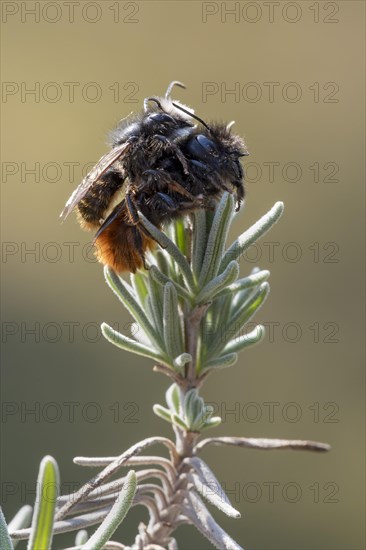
{"x": 164, "y": 162}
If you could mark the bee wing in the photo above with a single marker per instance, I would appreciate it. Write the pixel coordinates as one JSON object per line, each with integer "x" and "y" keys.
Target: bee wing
{"x": 94, "y": 175}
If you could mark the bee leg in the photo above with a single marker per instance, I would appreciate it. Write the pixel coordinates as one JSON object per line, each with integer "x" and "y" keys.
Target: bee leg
{"x": 202, "y": 171}
{"x": 239, "y": 188}
{"x": 168, "y": 204}
{"x": 139, "y": 246}
{"x": 238, "y": 183}
{"x": 131, "y": 209}
{"x": 182, "y": 159}
{"x": 197, "y": 203}
{"x": 134, "y": 217}
{"x": 163, "y": 180}
{"x": 178, "y": 188}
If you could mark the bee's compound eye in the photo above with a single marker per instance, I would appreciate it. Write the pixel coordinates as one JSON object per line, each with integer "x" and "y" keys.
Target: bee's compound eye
{"x": 200, "y": 147}
{"x": 206, "y": 143}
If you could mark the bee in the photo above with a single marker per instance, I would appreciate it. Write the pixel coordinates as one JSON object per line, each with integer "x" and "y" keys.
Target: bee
{"x": 164, "y": 162}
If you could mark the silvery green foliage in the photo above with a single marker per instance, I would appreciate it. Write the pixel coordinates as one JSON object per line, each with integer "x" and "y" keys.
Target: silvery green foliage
{"x": 187, "y": 411}
{"x": 190, "y": 311}
{"x": 193, "y": 270}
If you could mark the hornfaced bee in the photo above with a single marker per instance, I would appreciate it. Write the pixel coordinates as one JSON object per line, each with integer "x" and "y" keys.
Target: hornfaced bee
{"x": 164, "y": 162}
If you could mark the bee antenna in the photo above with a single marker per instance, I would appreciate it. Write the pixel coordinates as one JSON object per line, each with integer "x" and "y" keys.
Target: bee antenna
{"x": 147, "y": 99}
{"x": 171, "y": 86}
{"x": 193, "y": 116}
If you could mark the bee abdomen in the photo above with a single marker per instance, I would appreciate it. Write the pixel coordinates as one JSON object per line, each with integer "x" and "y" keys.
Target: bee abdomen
{"x": 98, "y": 198}
{"x": 122, "y": 246}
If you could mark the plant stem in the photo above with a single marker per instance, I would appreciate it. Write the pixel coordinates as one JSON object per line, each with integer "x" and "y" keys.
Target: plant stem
{"x": 160, "y": 532}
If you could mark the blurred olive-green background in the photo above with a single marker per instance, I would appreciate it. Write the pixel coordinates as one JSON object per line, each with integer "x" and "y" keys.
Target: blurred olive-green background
{"x": 297, "y": 73}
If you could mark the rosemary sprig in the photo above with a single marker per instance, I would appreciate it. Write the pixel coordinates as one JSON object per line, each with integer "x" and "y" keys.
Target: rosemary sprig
{"x": 190, "y": 311}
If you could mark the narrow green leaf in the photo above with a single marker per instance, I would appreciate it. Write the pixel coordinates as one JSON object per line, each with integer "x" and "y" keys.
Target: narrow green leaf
{"x": 115, "y": 516}
{"x": 264, "y": 443}
{"x": 81, "y": 537}
{"x": 219, "y": 313}
{"x": 209, "y": 409}
{"x": 248, "y": 282}
{"x": 193, "y": 408}
{"x": 218, "y": 316}
{"x": 240, "y": 317}
{"x": 212, "y": 422}
{"x": 244, "y": 313}
{"x": 173, "y": 250}
{"x": 213, "y": 495}
{"x": 155, "y": 302}
{"x": 178, "y": 421}
{"x": 199, "y": 412}
{"x": 21, "y": 520}
{"x": 162, "y": 412}
{"x": 172, "y": 397}
{"x": 223, "y": 361}
{"x": 209, "y": 487}
{"x": 139, "y": 284}
{"x": 210, "y": 215}
{"x": 163, "y": 261}
{"x": 240, "y": 296}
{"x": 173, "y": 338}
{"x": 245, "y": 340}
{"x": 252, "y": 234}
{"x": 162, "y": 280}
{"x": 6, "y": 543}
{"x": 121, "y": 290}
{"x": 199, "y": 240}
{"x": 44, "y": 509}
{"x": 219, "y": 283}
{"x": 182, "y": 360}
{"x": 180, "y": 233}
{"x": 138, "y": 334}
{"x": 205, "y": 523}
{"x": 217, "y": 239}
{"x": 123, "y": 342}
